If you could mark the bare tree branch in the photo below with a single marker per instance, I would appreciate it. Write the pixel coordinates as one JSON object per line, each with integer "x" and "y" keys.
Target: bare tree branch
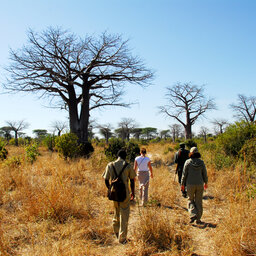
{"x": 186, "y": 103}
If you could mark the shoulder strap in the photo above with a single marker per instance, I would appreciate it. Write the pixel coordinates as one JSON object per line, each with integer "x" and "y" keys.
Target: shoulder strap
{"x": 121, "y": 170}
{"x": 141, "y": 162}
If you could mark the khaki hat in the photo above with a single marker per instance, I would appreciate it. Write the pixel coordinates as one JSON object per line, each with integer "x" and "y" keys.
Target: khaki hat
{"x": 194, "y": 150}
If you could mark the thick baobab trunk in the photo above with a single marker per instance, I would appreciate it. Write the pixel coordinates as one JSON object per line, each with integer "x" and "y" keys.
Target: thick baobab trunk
{"x": 188, "y": 131}
{"x": 74, "y": 122}
{"x": 16, "y": 138}
{"x": 79, "y": 124}
{"x": 84, "y": 116}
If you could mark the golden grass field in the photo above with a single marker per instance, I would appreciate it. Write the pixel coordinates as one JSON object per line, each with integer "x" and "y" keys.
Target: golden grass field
{"x": 57, "y": 207}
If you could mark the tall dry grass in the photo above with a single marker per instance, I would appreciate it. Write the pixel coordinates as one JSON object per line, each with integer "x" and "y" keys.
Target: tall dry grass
{"x": 57, "y": 207}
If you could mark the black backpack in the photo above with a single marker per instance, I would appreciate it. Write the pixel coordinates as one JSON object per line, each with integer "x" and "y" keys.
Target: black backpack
{"x": 117, "y": 189}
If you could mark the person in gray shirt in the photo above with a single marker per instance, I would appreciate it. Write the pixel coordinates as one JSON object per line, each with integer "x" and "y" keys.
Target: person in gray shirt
{"x": 195, "y": 177}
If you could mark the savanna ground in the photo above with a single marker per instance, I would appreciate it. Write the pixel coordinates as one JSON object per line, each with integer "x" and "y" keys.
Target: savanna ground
{"x": 58, "y": 207}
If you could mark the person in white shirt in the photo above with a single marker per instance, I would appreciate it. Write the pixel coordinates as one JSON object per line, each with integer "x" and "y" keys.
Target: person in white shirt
{"x": 142, "y": 166}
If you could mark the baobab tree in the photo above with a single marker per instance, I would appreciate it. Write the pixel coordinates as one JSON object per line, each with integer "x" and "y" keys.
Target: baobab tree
{"x": 245, "y": 108}
{"x": 16, "y": 127}
{"x": 186, "y": 103}
{"x": 220, "y": 125}
{"x": 126, "y": 127}
{"x": 59, "y": 126}
{"x": 203, "y": 132}
{"x": 78, "y": 74}
{"x": 175, "y": 130}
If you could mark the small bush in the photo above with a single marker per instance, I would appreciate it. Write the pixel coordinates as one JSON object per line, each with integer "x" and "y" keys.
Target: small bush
{"x": 13, "y": 162}
{"x": 248, "y": 152}
{"x": 31, "y": 152}
{"x": 190, "y": 143}
{"x": 67, "y": 145}
{"x": 3, "y": 151}
{"x": 133, "y": 150}
{"x": 235, "y": 136}
{"x": 85, "y": 149}
{"x": 114, "y": 146}
{"x": 220, "y": 160}
{"x": 49, "y": 142}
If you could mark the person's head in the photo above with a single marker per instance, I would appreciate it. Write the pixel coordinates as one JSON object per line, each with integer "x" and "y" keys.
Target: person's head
{"x": 143, "y": 151}
{"x": 182, "y": 145}
{"x": 122, "y": 154}
{"x": 194, "y": 153}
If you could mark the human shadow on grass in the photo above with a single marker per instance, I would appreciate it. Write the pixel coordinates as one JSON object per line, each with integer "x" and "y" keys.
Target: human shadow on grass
{"x": 205, "y": 225}
{"x": 208, "y": 197}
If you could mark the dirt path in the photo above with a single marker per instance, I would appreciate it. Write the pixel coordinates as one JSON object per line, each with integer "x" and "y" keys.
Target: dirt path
{"x": 201, "y": 235}
{"x": 203, "y": 244}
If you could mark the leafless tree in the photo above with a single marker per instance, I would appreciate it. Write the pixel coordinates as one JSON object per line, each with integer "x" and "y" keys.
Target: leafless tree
{"x": 203, "y": 132}
{"x": 126, "y": 126}
{"x": 60, "y": 126}
{"x": 175, "y": 131}
{"x": 16, "y": 127}
{"x": 186, "y": 103}
{"x": 220, "y": 125}
{"x": 245, "y": 108}
{"x": 77, "y": 74}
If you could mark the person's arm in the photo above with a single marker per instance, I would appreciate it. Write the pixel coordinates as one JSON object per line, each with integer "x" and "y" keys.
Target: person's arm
{"x": 184, "y": 176}
{"x": 135, "y": 166}
{"x": 205, "y": 177}
{"x": 150, "y": 169}
{"x": 132, "y": 184}
{"x": 107, "y": 184}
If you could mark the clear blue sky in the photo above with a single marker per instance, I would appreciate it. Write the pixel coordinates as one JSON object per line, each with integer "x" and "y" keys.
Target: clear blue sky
{"x": 211, "y": 42}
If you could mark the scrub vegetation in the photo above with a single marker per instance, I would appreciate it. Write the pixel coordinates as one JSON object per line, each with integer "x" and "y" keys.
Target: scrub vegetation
{"x": 58, "y": 206}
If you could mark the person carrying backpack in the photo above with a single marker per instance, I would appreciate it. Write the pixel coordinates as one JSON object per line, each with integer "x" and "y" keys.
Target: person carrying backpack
{"x": 195, "y": 177}
{"x": 180, "y": 158}
{"x": 114, "y": 171}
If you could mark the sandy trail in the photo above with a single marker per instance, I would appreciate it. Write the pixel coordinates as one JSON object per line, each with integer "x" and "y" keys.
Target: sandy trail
{"x": 203, "y": 244}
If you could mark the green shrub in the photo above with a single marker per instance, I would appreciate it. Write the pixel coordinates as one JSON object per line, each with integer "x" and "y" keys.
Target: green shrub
{"x": 235, "y": 136}
{"x": 85, "y": 149}
{"x": 133, "y": 150}
{"x": 49, "y": 142}
{"x": 31, "y": 152}
{"x": 114, "y": 145}
{"x": 13, "y": 162}
{"x": 67, "y": 145}
{"x": 3, "y": 150}
{"x": 190, "y": 143}
{"x": 248, "y": 152}
{"x": 221, "y": 160}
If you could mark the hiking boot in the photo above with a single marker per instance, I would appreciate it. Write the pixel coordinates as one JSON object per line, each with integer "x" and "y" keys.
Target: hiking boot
{"x": 199, "y": 222}
{"x": 123, "y": 242}
{"x": 184, "y": 194}
{"x": 192, "y": 219}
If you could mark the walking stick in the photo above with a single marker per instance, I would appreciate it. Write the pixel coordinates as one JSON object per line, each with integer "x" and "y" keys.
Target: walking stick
{"x": 175, "y": 174}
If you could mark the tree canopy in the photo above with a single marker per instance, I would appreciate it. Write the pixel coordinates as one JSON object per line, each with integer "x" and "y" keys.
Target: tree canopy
{"x": 78, "y": 74}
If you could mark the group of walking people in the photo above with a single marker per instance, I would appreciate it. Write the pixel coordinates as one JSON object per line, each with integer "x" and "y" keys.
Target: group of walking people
{"x": 192, "y": 176}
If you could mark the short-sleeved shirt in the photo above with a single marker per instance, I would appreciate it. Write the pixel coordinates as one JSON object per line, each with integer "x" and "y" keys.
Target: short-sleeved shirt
{"x": 142, "y": 162}
{"x": 127, "y": 174}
